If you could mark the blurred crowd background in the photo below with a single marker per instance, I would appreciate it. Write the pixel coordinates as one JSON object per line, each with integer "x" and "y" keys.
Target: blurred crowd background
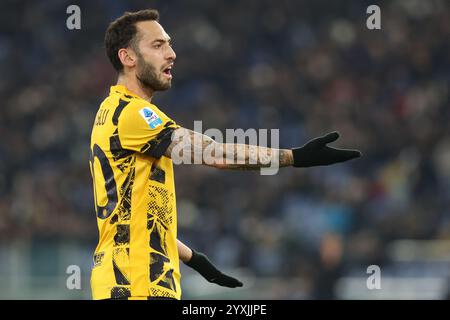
{"x": 303, "y": 67}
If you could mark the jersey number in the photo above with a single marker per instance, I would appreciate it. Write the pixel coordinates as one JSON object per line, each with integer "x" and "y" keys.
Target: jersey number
{"x": 110, "y": 183}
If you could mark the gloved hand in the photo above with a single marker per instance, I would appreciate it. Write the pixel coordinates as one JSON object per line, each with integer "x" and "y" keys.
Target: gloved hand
{"x": 200, "y": 263}
{"x": 317, "y": 153}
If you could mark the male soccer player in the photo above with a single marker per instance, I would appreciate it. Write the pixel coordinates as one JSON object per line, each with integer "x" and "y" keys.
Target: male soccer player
{"x": 137, "y": 256}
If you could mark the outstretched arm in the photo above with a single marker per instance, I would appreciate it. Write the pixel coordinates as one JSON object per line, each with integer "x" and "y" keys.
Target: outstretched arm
{"x": 199, "y": 148}
{"x": 200, "y": 263}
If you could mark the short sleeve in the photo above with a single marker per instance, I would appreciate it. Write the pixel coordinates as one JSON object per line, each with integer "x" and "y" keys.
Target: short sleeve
{"x": 145, "y": 129}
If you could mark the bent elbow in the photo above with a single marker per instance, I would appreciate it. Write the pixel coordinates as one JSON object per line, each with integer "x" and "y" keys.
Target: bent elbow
{"x": 219, "y": 166}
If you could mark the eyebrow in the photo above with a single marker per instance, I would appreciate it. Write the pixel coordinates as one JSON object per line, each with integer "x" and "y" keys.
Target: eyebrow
{"x": 162, "y": 40}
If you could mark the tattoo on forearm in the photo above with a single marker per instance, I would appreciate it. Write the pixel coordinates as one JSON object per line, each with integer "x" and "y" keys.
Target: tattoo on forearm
{"x": 199, "y": 148}
{"x": 249, "y": 157}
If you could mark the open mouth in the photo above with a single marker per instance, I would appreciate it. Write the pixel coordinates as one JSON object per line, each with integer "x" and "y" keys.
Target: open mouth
{"x": 168, "y": 72}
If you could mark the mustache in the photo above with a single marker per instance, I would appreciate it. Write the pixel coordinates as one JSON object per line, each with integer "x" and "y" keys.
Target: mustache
{"x": 170, "y": 65}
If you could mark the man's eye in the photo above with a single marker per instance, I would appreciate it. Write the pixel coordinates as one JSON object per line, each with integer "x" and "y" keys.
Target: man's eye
{"x": 157, "y": 46}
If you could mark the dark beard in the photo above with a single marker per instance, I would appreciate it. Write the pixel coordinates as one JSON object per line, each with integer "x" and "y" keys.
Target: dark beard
{"x": 146, "y": 74}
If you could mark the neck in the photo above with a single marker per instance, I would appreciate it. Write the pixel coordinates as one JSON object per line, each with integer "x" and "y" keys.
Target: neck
{"x": 135, "y": 86}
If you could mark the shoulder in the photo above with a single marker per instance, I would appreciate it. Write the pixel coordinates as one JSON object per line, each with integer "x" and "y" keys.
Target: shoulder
{"x": 140, "y": 114}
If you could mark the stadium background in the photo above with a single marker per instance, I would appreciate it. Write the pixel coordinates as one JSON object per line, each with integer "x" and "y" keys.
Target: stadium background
{"x": 306, "y": 67}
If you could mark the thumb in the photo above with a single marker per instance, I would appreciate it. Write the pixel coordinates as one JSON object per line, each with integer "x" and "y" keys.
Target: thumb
{"x": 328, "y": 138}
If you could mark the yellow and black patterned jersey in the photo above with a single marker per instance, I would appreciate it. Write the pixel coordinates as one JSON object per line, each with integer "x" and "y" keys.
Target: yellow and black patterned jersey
{"x": 134, "y": 195}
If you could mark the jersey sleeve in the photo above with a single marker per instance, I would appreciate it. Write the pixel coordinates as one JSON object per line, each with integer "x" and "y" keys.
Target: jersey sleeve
{"x": 145, "y": 129}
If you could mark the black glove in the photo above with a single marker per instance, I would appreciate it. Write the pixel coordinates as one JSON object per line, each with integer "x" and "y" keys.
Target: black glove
{"x": 317, "y": 153}
{"x": 200, "y": 263}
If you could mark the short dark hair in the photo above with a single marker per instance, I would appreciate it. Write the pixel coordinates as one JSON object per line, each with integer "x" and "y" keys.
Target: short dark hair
{"x": 121, "y": 33}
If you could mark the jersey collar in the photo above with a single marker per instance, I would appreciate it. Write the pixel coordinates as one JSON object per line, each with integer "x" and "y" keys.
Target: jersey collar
{"x": 119, "y": 88}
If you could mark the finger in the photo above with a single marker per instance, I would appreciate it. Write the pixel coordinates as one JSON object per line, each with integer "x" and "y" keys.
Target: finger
{"x": 227, "y": 281}
{"x": 342, "y": 155}
{"x": 236, "y": 283}
{"x": 323, "y": 140}
{"x": 330, "y": 137}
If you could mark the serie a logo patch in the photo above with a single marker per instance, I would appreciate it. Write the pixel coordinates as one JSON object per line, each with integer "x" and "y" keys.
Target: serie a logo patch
{"x": 150, "y": 117}
{"x": 98, "y": 258}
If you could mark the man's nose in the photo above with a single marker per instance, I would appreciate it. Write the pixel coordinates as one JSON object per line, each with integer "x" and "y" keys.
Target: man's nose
{"x": 171, "y": 55}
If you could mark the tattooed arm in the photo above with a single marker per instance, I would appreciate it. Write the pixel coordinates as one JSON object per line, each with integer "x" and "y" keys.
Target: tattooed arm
{"x": 193, "y": 147}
